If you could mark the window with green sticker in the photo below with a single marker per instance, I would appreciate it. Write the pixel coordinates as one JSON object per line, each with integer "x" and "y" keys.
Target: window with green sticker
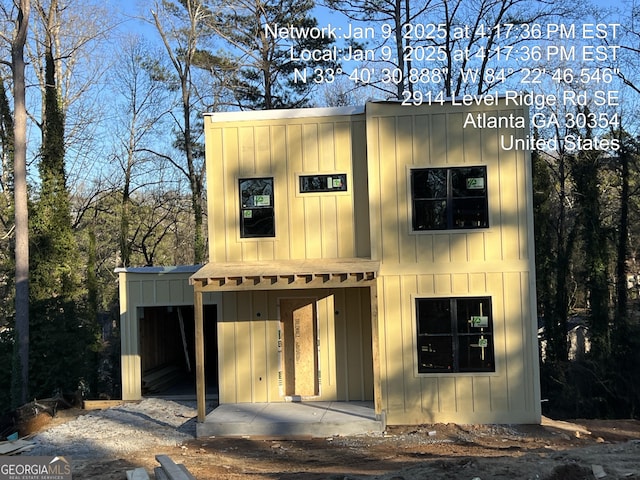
{"x": 257, "y": 217}
{"x": 454, "y": 335}
{"x": 449, "y": 198}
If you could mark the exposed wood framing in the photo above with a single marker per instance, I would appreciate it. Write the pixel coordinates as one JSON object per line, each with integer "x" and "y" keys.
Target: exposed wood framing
{"x": 287, "y": 274}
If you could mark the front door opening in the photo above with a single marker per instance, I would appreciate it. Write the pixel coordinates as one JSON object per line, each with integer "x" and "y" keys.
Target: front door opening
{"x": 299, "y": 347}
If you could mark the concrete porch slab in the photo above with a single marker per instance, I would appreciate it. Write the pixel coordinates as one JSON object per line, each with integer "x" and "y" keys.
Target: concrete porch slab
{"x": 290, "y": 419}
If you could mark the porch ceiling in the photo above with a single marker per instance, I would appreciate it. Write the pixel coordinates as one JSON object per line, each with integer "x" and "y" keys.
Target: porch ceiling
{"x": 286, "y": 274}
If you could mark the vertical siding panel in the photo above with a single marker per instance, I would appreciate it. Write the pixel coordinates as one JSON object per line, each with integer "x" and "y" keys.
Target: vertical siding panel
{"x": 341, "y": 319}
{"x": 227, "y": 367}
{"x": 523, "y": 193}
{"x": 477, "y": 283}
{"x": 312, "y": 225}
{"x": 388, "y": 201}
{"x": 246, "y": 151}
{"x": 442, "y": 284}
{"x": 243, "y": 354}
{"x": 425, "y": 249}
{"x": 499, "y": 384}
{"x": 490, "y": 152}
{"x": 261, "y": 347}
{"x": 283, "y": 181}
{"x": 297, "y": 240}
{"x": 329, "y": 226}
{"x": 475, "y": 247}
{"x": 515, "y": 341}
{"x": 345, "y": 227}
{"x": 404, "y": 151}
{"x": 148, "y": 292}
{"x": 373, "y": 155}
{"x": 326, "y": 147}
{"x": 421, "y": 141}
{"x": 364, "y": 295}
{"x": 509, "y": 206}
{"x": 473, "y": 146}
{"x": 481, "y": 394}
{"x": 216, "y": 220}
{"x": 447, "y": 401}
{"x": 464, "y": 394}
{"x": 262, "y": 145}
{"x": 441, "y": 248}
{"x": 394, "y": 349}
{"x": 164, "y": 293}
{"x": 458, "y": 247}
{"x": 231, "y": 169}
{"x": 429, "y": 403}
{"x": 408, "y": 290}
{"x": 310, "y": 147}
{"x": 273, "y": 325}
{"x": 438, "y": 150}
{"x": 360, "y": 194}
{"x": 426, "y": 285}
{"x": 460, "y": 284}
{"x": 455, "y": 138}
{"x": 355, "y": 339}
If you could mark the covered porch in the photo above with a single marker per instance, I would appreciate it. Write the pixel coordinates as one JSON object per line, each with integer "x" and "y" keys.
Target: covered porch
{"x": 284, "y": 413}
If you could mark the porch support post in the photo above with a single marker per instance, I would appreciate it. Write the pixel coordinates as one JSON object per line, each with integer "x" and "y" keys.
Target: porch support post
{"x": 199, "y": 340}
{"x": 375, "y": 350}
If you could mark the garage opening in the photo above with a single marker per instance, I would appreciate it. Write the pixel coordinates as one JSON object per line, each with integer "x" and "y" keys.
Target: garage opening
{"x": 167, "y": 348}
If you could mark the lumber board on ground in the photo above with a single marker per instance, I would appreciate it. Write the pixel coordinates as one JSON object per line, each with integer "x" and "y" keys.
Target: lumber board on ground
{"x": 159, "y": 473}
{"x": 15, "y": 447}
{"x": 172, "y": 470}
{"x": 102, "y": 404}
{"x": 137, "y": 474}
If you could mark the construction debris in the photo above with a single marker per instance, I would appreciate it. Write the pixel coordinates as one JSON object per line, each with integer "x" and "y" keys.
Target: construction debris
{"x": 168, "y": 470}
{"x": 16, "y": 447}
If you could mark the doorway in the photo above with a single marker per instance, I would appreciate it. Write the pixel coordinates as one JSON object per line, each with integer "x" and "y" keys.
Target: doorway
{"x": 299, "y": 346}
{"x": 167, "y": 350}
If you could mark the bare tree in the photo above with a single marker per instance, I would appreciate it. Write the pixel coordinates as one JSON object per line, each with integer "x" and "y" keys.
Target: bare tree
{"x": 182, "y": 27}
{"x": 142, "y": 102}
{"x": 20, "y": 13}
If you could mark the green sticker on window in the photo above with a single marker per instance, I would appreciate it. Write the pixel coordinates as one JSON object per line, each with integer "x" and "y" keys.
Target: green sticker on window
{"x": 479, "y": 321}
{"x": 476, "y": 183}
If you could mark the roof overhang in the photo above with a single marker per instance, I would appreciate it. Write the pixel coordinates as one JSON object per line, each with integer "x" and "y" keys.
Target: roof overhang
{"x": 285, "y": 274}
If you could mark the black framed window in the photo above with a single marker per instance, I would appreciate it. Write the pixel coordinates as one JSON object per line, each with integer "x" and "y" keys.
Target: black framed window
{"x": 257, "y": 217}
{"x": 449, "y": 198}
{"x": 323, "y": 183}
{"x": 455, "y": 335}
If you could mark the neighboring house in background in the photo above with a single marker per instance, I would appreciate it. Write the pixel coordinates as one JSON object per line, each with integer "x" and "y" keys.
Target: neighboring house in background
{"x": 382, "y": 253}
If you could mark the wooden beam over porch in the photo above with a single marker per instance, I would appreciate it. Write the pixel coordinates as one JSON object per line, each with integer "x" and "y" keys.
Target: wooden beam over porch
{"x": 286, "y": 274}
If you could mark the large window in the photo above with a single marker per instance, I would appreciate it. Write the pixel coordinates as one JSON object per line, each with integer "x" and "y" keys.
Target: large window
{"x": 455, "y": 335}
{"x": 256, "y": 208}
{"x": 449, "y": 198}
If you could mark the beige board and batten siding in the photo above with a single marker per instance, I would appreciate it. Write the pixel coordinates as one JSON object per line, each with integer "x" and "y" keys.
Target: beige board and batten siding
{"x": 308, "y": 226}
{"x": 497, "y": 261}
{"x": 284, "y": 145}
{"x": 148, "y": 287}
{"x": 250, "y": 362}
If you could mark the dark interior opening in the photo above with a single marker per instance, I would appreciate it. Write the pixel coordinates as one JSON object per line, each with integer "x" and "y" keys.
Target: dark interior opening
{"x": 167, "y": 346}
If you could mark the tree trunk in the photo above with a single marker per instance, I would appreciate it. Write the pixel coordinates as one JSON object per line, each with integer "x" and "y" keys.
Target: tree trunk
{"x": 21, "y": 208}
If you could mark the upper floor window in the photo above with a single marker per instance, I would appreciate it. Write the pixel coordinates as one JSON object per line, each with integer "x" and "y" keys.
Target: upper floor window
{"x": 449, "y": 198}
{"x": 336, "y": 182}
{"x": 455, "y": 335}
{"x": 257, "y": 217}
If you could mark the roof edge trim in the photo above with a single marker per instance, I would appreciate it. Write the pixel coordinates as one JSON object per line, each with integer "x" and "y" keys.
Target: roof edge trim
{"x": 285, "y": 113}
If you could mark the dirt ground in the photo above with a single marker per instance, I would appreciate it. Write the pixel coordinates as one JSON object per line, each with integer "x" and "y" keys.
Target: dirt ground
{"x": 583, "y": 449}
